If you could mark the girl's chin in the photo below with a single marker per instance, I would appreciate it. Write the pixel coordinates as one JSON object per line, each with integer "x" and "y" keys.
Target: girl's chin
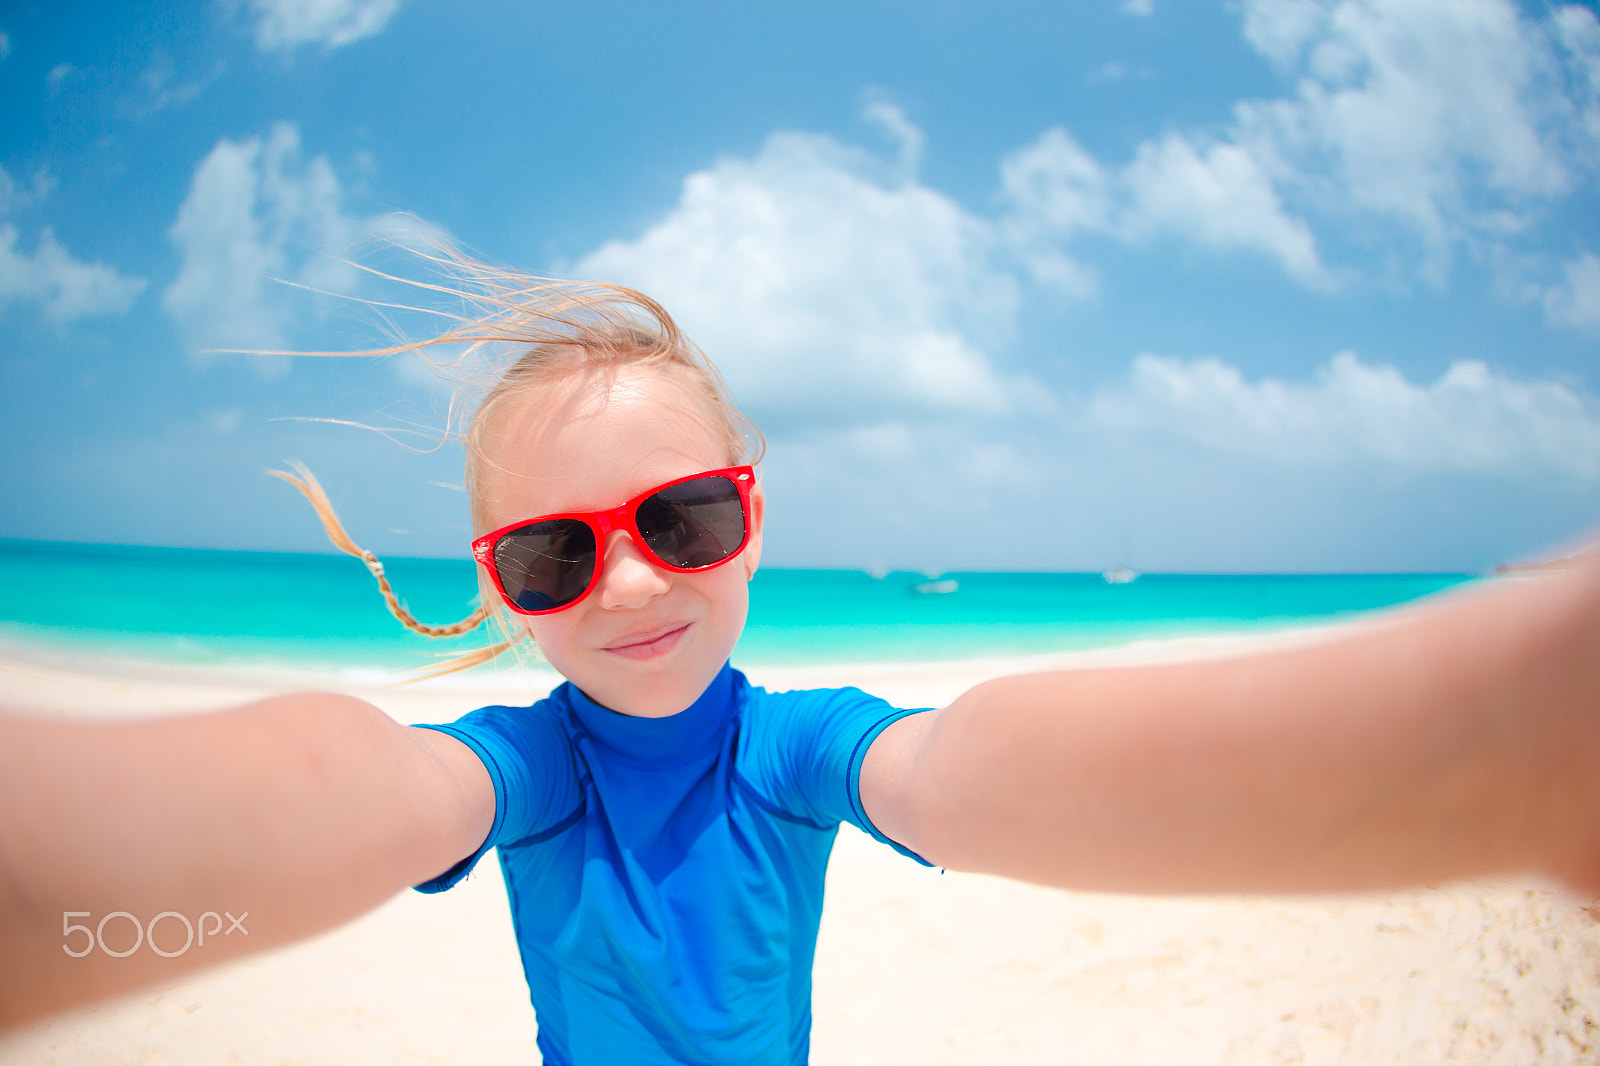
{"x": 644, "y": 693}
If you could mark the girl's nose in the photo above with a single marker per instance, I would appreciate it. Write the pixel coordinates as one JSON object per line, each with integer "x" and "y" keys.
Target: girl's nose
{"x": 629, "y": 578}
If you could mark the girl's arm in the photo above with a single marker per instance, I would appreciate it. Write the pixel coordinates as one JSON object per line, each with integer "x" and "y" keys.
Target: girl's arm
{"x": 256, "y": 826}
{"x": 1452, "y": 738}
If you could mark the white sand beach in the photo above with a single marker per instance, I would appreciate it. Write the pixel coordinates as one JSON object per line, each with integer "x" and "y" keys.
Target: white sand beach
{"x": 914, "y": 966}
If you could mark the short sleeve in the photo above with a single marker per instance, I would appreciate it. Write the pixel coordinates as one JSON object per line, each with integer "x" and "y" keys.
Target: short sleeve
{"x": 530, "y": 761}
{"x": 805, "y": 751}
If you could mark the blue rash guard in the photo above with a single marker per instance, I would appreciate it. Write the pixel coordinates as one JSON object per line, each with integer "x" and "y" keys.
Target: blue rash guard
{"x": 665, "y": 874}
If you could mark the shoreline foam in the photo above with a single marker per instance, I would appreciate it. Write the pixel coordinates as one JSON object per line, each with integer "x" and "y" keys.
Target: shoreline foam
{"x": 43, "y": 678}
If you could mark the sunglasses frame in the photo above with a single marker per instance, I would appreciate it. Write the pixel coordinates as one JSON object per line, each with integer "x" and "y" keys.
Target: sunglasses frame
{"x": 625, "y": 518}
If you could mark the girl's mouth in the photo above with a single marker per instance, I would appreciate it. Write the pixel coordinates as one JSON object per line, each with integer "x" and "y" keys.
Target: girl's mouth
{"x": 650, "y": 644}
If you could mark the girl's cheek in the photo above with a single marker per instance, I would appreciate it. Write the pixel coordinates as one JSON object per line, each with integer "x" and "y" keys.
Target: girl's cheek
{"x": 544, "y": 637}
{"x": 544, "y": 632}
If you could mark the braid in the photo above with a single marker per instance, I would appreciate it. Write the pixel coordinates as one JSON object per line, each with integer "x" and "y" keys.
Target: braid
{"x": 311, "y": 489}
{"x": 396, "y": 608}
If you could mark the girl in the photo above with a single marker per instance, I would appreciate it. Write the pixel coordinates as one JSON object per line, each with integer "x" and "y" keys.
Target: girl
{"x": 664, "y": 826}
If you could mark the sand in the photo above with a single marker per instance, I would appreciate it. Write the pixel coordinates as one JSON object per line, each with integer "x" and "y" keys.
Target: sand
{"x": 914, "y": 966}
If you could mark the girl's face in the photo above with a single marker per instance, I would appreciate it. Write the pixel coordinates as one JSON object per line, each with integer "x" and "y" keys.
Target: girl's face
{"x": 646, "y": 641}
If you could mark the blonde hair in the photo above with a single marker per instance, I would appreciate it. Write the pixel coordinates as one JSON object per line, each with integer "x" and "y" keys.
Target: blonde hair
{"x": 532, "y": 334}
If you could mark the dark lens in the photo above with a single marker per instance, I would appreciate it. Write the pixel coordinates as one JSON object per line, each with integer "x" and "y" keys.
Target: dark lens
{"x": 695, "y": 524}
{"x": 547, "y": 564}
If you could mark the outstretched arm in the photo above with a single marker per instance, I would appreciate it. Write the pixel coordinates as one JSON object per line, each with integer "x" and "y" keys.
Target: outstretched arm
{"x": 302, "y": 811}
{"x": 1452, "y": 738}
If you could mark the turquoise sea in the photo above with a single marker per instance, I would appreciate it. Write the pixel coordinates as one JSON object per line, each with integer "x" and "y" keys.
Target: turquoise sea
{"x": 323, "y": 612}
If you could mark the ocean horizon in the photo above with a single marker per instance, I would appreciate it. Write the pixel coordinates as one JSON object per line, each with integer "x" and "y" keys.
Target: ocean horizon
{"x": 321, "y": 612}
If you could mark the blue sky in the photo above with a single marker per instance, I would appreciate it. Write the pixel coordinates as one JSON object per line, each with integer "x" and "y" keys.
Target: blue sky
{"x": 1259, "y": 285}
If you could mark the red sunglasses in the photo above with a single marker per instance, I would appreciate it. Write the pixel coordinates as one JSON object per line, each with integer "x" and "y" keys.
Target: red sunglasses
{"x": 549, "y": 563}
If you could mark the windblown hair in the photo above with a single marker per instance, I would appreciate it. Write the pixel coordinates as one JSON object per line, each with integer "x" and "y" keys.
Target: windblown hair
{"x": 533, "y": 334}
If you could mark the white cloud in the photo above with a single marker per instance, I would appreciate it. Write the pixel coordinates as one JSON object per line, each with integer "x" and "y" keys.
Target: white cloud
{"x": 821, "y": 289}
{"x": 1280, "y": 30}
{"x": 15, "y": 197}
{"x": 257, "y": 212}
{"x": 1057, "y": 185}
{"x": 1470, "y": 420}
{"x": 161, "y": 87}
{"x": 1442, "y": 121}
{"x": 64, "y": 287}
{"x": 1184, "y": 464}
{"x": 907, "y": 136}
{"x": 5, "y": 46}
{"x": 1578, "y": 30}
{"x": 1219, "y": 199}
{"x": 1139, "y": 8}
{"x": 1056, "y": 191}
{"x": 1576, "y": 302}
{"x": 286, "y": 24}
{"x": 893, "y": 484}
{"x": 1117, "y": 70}
{"x": 1435, "y": 113}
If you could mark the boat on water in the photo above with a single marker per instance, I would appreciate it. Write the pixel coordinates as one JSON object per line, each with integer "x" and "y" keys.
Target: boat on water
{"x": 941, "y": 587}
{"x": 1122, "y": 573}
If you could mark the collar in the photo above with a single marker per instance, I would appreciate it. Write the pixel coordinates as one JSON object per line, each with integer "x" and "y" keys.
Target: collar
{"x": 660, "y": 742}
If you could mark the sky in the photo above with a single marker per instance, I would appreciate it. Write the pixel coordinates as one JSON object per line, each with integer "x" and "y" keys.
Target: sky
{"x": 1260, "y": 285}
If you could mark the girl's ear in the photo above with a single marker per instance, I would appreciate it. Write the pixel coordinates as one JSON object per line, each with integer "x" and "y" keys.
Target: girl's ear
{"x": 752, "y": 551}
